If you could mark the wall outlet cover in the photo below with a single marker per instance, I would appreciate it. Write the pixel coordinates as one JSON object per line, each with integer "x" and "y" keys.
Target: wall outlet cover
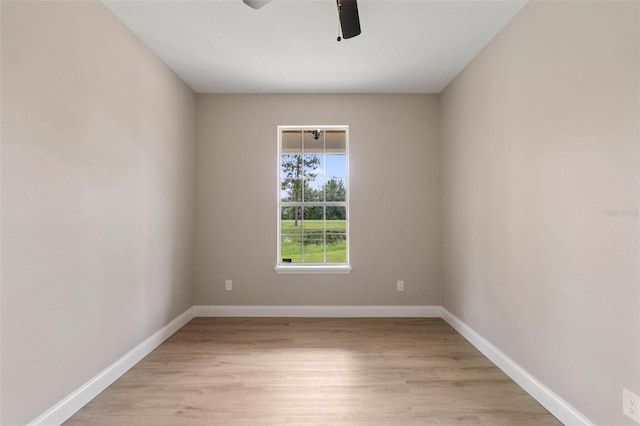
{"x": 631, "y": 405}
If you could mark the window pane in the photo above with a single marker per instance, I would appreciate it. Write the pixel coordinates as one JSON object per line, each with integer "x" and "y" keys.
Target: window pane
{"x": 313, "y": 220}
{"x": 291, "y": 248}
{"x": 290, "y": 220}
{"x": 291, "y": 141}
{"x": 314, "y": 141}
{"x": 336, "y": 248}
{"x": 313, "y": 190}
{"x": 335, "y": 141}
{"x": 336, "y": 219}
{"x": 291, "y": 166}
{"x": 336, "y": 165}
{"x": 313, "y": 249}
{"x": 313, "y": 165}
{"x": 291, "y": 190}
{"x": 335, "y": 189}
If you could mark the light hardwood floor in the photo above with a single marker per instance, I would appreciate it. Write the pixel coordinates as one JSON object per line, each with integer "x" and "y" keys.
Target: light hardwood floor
{"x": 299, "y": 371}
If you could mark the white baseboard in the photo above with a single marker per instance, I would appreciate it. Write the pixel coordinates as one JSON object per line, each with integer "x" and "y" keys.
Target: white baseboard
{"x": 64, "y": 409}
{"x": 560, "y": 408}
{"x": 312, "y": 311}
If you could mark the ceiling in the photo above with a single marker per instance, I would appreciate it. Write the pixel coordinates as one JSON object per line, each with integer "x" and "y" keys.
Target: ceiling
{"x": 288, "y": 46}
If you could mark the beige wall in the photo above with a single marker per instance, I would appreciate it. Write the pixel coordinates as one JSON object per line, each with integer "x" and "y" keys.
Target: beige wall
{"x": 394, "y": 196}
{"x": 540, "y": 195}
{"x": 97, "y": 208}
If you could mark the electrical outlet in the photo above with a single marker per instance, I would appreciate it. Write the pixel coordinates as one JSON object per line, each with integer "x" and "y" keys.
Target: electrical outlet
{"x": 631, "y": 405}
{"x": 228, "y": 285}
{"x": 400, "y": 285}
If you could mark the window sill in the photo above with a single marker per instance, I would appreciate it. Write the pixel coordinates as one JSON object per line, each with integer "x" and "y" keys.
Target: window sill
{"x": 313, "y": 269}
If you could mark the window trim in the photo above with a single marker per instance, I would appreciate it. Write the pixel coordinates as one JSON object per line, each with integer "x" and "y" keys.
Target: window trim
{"x": 331, "y": 268}
{"x": 311, "y": 268}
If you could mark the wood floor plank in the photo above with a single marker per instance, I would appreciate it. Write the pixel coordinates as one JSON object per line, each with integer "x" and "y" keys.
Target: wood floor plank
{"x": 314, "y": 371}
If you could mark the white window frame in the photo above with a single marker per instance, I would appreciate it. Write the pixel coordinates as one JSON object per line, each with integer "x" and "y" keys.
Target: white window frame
{"x": 308, "y": 268}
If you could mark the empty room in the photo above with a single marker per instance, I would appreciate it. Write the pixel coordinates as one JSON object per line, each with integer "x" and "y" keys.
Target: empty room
{"x": 320, "y": 212}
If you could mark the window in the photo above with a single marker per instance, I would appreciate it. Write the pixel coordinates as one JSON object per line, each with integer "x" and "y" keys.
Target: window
{"x": 313, "y": 199}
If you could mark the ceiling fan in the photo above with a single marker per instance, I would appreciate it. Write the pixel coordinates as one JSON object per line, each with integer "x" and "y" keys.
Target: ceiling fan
{"x": 347, "y": 14}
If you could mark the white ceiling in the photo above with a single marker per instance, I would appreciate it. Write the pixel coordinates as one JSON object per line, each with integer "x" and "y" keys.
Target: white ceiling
{"x": 224, "y": 46}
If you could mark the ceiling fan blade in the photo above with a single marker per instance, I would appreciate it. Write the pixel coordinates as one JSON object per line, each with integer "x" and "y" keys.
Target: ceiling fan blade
{"x": 349, "y": 18}
{"x": 256, "y": 4}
